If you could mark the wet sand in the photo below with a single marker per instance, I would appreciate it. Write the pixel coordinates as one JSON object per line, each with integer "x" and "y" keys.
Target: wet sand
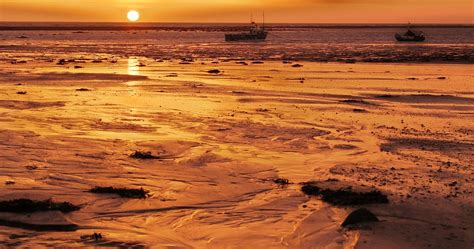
{"x": 404, "y": 129}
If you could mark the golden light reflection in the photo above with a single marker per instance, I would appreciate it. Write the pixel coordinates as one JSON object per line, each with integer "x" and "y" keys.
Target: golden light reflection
{"x": 133, "y": 66}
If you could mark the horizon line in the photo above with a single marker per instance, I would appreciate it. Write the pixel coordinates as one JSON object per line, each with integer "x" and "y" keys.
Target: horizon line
{"x": 307, "y": 23}
{"x": 266, "y": 22}
{"x": 120, "y": 26}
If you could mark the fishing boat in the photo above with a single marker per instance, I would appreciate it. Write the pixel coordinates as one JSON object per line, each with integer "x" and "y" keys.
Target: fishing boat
{"x": 256, "y": 33}
{"x": 410, "y": 36}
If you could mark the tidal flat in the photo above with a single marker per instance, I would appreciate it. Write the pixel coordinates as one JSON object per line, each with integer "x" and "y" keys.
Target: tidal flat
{"x": 225, "y": 148}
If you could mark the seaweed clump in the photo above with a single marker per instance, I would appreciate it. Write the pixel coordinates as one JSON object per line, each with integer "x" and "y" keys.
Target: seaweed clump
{"x": 214, "y": 71}
{"x": 359, "y": 110}
{"x": 385, "y": 96}
{"x": 144, "y": 155}
{"x": 281, "y": 181}
{"x": 122, "y": 192}
{"x": 30, "y": 206}
{"x": 345, "y": 197}
{"x": 355, "y": 101}
{"x": 94, "y": 237}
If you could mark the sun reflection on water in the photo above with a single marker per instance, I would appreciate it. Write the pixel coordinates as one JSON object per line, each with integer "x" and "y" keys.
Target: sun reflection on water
{"x": 133, "y": 66}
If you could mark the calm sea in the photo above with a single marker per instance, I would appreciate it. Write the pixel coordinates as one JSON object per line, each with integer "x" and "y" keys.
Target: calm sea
{"x": 313, "y": 42}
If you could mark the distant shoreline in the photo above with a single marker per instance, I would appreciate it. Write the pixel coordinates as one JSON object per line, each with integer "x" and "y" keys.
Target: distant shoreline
{"x": 70, "y": 26}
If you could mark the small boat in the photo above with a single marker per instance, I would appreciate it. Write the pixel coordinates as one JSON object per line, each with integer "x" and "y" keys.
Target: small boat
{"x": 256, "y": 33}
{"x": 410, "y": 36}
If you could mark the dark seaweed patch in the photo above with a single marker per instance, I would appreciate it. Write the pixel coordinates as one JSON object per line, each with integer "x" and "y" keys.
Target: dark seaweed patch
{"x": 149, "y": 156}
{"x": 355, "y": 101}
{"x": 30, "y": 206}
{"x": 94, "y": 237}
{"x": 39, "y": 227}
{"x": 83, "y": 90}
{"x": 345, "y": 197}
{"x": 262, "y": 110}
{"x": 214, "y": 71}
{"x": 309, "y": 189}
{"x": 281, "y": 181}
{"x": 144, "y": 155}
{"x": 122, "y": 192}
{"x": 385, "y": 96}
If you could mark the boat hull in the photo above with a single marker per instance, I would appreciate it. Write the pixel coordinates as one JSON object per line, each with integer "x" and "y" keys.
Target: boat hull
{"x": 246, "y": 37}
{"x": 404, "y": 38}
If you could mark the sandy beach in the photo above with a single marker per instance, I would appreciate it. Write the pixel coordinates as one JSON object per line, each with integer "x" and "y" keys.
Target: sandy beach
{"x": 220, "y": 140}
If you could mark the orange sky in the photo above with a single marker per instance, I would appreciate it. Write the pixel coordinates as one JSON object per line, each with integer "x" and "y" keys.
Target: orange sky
{"x": 280, "y": 11}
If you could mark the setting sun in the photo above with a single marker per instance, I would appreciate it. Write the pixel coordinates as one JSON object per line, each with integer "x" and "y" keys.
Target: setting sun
{"x": 133, "y": 15}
